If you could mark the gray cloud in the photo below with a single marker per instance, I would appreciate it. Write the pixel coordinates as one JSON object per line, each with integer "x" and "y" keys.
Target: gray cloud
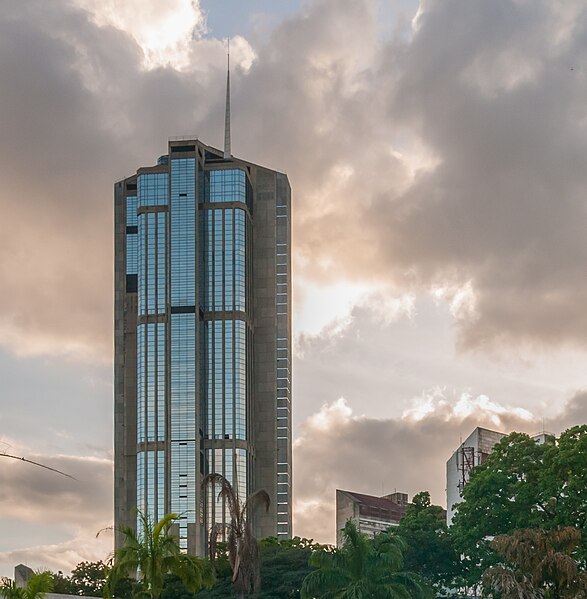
{"x": 499, "y": 103}
{"x": 427, "y": 159}
{"x": 31, "y": 493}
{"x": 50, "y": 521}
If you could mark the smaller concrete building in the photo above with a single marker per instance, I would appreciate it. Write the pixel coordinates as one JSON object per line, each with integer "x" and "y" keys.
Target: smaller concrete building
{"x": 371, "y": 514}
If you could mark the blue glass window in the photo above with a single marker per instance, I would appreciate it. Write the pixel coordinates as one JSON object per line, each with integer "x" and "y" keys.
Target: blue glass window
{"x": 150, "y": 382}
{"x": 183, "y": 421}
{"x": 223, "y": 280}
{"x": 183, "y": 234}
{"x": 131, "y": 254}
{"x": 153, "y": 189}
{"x": 151, "y": 262}
{"x": 225, "y": 379}
{"x": 227, "y": 185}
{"x": 141, "y": 342}
{"x": 228, "y": 463}
{"x": 131, "y": 211}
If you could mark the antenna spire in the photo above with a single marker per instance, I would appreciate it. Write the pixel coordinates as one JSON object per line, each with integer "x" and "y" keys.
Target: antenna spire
{"x": 227, "y": 115}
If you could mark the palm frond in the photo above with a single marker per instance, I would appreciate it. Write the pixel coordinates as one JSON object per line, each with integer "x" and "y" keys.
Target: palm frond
{"x": 256, "y": 499}
{"x": 226, "y": 492}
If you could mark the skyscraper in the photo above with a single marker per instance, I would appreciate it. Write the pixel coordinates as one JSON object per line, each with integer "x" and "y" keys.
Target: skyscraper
{"x": 202, "y": 338}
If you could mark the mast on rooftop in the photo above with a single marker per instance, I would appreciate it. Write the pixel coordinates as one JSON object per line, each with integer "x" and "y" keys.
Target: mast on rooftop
{"x": 227, "y": 114}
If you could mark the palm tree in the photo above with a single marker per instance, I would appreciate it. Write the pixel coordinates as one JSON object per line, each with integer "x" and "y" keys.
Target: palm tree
{"x": 153, "y": 553}
{"x": 37, "y": 585}
{"x": 362, "y": 568}
{"x": 537, "y": 564}
{"x": 241, "y": 545}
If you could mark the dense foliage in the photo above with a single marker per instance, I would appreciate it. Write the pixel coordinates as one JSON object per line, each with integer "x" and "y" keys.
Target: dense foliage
{"x": 363, "y": 568}
{"x": 88, "y": 579}
{"x": 429, "y": 548}
{"x": 522, "y": 485}
{"x": 39, "y": 584}
{"x": 242, "y": 548}
{"x": 153, "y": 553}
{"x": 535, "y": 563}
{"x": 283, "y": 564}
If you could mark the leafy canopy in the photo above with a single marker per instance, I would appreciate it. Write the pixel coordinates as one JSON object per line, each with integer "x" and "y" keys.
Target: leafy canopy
{"x": 429, "y": 549}
{"x": 523, "y": 485}
{"x": 283, "y": 565}
{"x": 153, "y": 553}
{"x": 535, "y": 563}
{"x": 37, "y": 586}
{"x": 362, "y": 568}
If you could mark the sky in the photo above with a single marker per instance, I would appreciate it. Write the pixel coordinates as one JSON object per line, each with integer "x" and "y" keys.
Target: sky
{"x": 436, "y": 152}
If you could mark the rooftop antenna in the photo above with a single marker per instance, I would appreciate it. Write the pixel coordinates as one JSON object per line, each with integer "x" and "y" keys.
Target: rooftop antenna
{"x": 227, "y": 115}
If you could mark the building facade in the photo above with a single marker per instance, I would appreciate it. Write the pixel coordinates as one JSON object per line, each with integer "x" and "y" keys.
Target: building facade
{"x": 370, "y": 514}
{"x": 202, "y": 340}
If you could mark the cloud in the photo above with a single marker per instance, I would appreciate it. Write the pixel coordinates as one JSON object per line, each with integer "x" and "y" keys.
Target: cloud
{"x": 498, "y": 103}
{"x": 83, "y": 547}
{"x": 51, "y": 521}
{"x": 417, "y": 161}
{"x": 28, "y": 492}
{"x": 338, "y": 449}
{"x": 164, "y": 30}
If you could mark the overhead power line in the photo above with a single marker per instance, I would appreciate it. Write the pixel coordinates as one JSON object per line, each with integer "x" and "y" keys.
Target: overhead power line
{"x": 14, "y": 457}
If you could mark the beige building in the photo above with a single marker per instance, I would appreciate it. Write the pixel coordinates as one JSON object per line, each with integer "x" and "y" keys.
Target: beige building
{"x": 371, "y": 514}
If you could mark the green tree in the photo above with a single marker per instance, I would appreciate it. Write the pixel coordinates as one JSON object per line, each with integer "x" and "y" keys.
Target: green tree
{"x": 522, "y": 485}
{"x": 537, "y": 564}
{"x": 283, "y": 565}
{"x": 37, "y": 586}
{"x": 89, "y": 579}
{"x": 429, "y": 548}
{"x": 154, "y": 552}
{"x": 241, "y": 545}
{"x": 363, "y": 568}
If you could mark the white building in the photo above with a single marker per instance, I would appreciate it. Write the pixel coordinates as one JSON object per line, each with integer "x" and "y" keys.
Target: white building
{"x": 472, "y": 452}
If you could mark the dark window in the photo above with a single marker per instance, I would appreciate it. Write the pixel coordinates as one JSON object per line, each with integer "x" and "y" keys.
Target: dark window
{"x": 131, "y": 283}
{"x": 131, "y": 186}
{"x": 183, "y": 148}
{"x": 132, "y": 229}
{"x": 183, "y": 309}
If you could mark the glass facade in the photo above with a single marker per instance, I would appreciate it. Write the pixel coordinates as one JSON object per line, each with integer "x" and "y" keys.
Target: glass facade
{"x": 223, "y": 297}
{"x": 223, "y": 279}
{"x": 151, "y": 272}
{"x": 188, "y": 251}
{"x": 226, "y": 185}
{"x": 183, "y": 232}
{"x": 131, "y": 235}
